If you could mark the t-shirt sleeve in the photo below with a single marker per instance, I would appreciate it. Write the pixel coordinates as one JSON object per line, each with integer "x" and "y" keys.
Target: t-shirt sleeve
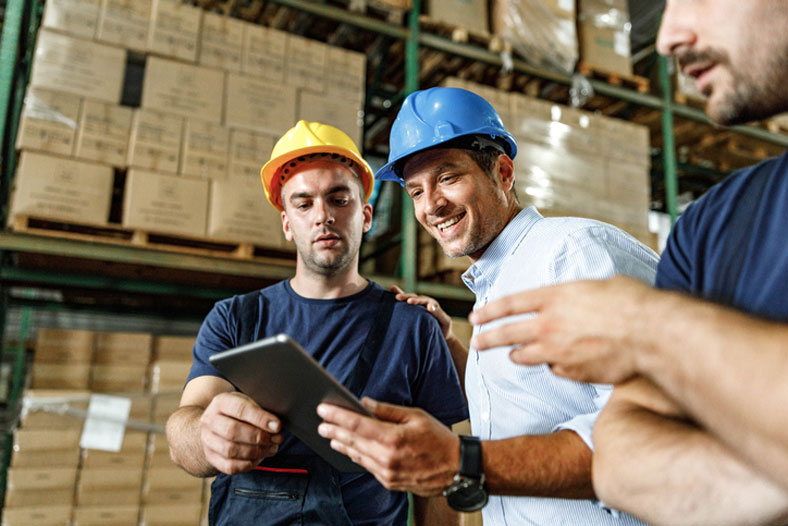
{"x": 216, "y": 334}
{"x": 675, "y": 268}
{"x": 438, "y": 389}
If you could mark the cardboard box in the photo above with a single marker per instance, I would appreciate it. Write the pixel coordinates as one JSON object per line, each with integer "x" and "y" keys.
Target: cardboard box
{"x": 79, "y": 67}
{"x": 345, "y": 115}
{"x": 468, "y": 14}
{"x": 34, "y": 416}
{"x": 163, "y": 406}
{"x": 169, "y": 375}
{"x": 155, "y": 141}
{"x": 306, "y": 63}
{"x": 95, "y": 459}
{"x": 104, "y": 478}
{"x": 206, "y": 147}
{"x": 264, "y": 51}
{"x": 183, "y": 89}
{"x": 60, "y": 376}
{"x": 221, "y": 41}
{"x": 48, "y": 122}
{"x": 109, "y": 378}
{"x": 173, "y": 348}
{"x": 140, "y": 411}
{"x": 29, "y": 440}
{"x": 159, "y": 450}
{"x": 172, "y": 515}
{"x": 239, "y": 212}
{"x": 248, "y": 152}
{"x": 64, "y": 346}
{"x": 258, "y": 104}
{"x": 25, "y": 498}
{"x": 123, "y": 348}
{"x": 103, "y": 134}
{"x": 38, "y": 515}
{"x": 88, "y": 497}
{"x": 62, "y": 189}
{"x": 174, "y": 29}
{"x": 346, "y": 74}
{"x": 170, "y": 477}
{"x": 43, "y": 478}
{"x": 604, "y": 29}
{"x": 172, "y": 497}
{"x": 106, "y": 515}
{"x": 78, "y": 18}
{"x": 46, "y": 458}
{"x": 124, "y": 23}
{"x": 165, "y": 204}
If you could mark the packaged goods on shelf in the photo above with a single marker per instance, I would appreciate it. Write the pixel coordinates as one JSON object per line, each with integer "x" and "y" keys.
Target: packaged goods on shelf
{"x": 155, "y": 141}
{"x": 264, "y": 52}
{"x": 345, "y": 115}
{"x": 183, "y": 89}
{"x": 49, "y": 122}
{"x": 173, "y": 348}
{"x": 64, "y": 346}
{"x": 103, "y": 133}
{"x": 467, "y": 14}
{"x": 62, "y": 189}
{"x": 78, "y": 18}
{"x": 123, "y": 348}
{"x": 306, "y": 63}
{"x": 346, "y": 74}
{"x": 257, "y": 104}
{"x": 240, "y": 213}
{"x": 172, "y": 514}
{"x": 37, "y": 515}
{"x": 605, "y": 35}
{"x": 79, "y": 67}
{"x": 174, "y": 29}
{"x": 108, "y": 378}
{"x": 248, "y": 151}
{"x": 40, "y": 406}
{"x": 168, "y": 375}
{"x": 165, "y": 204}
{"x": 206, "y": 147}
{"x": 221, "y": 41}
{"x": 43, "y": 447}
{"x": 42, "y": 478}
{"x": 124, "y": 23}
{"x": 38, "y": 498}
{"x": 106, "y": 515}
{"x": 542, "y": 31}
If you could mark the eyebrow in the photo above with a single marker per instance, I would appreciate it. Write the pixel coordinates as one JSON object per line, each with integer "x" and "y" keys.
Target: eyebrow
{"x": 306, "y": 195}
{"x": 436, "y": 171}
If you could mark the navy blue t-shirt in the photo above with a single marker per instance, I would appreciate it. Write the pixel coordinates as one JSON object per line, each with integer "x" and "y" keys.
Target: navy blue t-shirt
{"x": 731, "y": 246}
{"x": 413, "y": 369}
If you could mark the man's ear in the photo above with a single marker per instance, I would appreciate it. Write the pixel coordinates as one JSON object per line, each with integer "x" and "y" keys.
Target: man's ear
{"x": 286, "y": 227}
{"x": 505, "y": 172}
{"x": 367, "y": 211}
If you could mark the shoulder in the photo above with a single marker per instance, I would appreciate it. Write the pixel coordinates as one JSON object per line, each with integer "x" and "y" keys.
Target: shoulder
{"x": 409, "y": 316}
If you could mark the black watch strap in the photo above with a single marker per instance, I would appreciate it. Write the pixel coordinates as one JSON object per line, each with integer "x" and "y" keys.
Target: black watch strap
{"x": 470, "y": 457}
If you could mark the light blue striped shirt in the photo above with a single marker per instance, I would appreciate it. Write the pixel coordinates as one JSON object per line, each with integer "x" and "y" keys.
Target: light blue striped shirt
{"x": 508, "y": 400}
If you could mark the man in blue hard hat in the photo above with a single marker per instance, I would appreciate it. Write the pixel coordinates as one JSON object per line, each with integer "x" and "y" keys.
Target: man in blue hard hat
{"x": 532, "y": 446}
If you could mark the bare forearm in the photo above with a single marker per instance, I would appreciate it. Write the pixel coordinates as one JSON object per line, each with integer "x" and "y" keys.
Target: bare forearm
{"x": 553, "y": 465}
{"x": 183, "y": 435}
{"x": 729, "y": 372}
{"x": 666, "y": 471}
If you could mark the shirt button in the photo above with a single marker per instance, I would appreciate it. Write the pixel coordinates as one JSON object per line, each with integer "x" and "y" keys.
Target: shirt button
{"x": 486, "y": 416}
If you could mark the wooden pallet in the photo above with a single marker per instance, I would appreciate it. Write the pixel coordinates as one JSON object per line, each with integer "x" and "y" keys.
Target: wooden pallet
{"x": 778, "y": 124}
{"x": 457, "y": 33}
{"x": 116, "y": 235}
{"x": 640, "y": 84}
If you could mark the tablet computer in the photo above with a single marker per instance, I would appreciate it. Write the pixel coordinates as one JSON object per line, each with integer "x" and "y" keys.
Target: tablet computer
{"x": 285, "y": 380}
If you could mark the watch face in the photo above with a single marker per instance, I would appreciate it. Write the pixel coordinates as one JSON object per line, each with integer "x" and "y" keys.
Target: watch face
{"x": 467, "y": 495}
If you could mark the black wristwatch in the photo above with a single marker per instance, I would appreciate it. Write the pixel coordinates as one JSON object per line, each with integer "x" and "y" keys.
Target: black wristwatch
{"x": 467, "y": 492}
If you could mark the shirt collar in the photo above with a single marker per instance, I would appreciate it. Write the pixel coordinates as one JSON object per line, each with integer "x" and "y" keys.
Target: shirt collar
{"x": 488, "y": 265}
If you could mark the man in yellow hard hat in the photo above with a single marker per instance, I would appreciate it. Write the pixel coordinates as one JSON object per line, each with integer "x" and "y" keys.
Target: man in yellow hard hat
{"x": 320, "y": 183}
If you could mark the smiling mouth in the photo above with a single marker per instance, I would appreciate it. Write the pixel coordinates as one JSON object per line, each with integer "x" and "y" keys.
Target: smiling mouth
{"x": 445, "y": 225}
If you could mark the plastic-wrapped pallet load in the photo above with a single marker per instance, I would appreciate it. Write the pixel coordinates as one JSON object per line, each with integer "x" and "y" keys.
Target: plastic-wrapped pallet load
{"x": 605, "y": 35}
{"x": 541, "y": 31}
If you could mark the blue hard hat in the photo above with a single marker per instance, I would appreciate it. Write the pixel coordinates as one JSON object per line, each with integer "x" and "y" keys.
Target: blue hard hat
{"x": 436, "y": 116}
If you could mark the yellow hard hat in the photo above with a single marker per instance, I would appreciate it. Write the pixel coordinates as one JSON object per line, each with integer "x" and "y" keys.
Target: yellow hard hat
{"x": 307, "y": 138}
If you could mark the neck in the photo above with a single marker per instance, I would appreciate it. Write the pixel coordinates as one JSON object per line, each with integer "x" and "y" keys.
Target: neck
{"x": 511, "y": 212}
{"x": 312, "y": 285}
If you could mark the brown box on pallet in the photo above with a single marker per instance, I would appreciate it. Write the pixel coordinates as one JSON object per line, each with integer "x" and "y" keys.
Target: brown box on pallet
{"x": 165, "y": 204}
{"x": 106, "y": 515}
{"x": 306, "y": 63}
{"x": 173, "y": 348}
{"x": 78, "y": 18}
{"x": 258, "y": 104}
{"x": 172, "y": 496}
{"x": 87, "y": 497}
{"x": 124, "y": 23}
{"x": 30, "y": 440}
{"x": 43, "y": 478}
{"x": 168, "y": 375}
{"x": 468, "y": 14}
{"x": 264, "y": 52}
{"x": 103, "y": 134}
{"x": 342, "y": 114}
{"x": 34, "y": 416}
{"x": 172, "y": 515}
{"x": 62, "y": 189}
{"x": 79, "y": 67}
{"x": 38, "y": 515}
{"x": 155, "y": 141}
{"x": 183, "y": 89}
{"x": 95, "y": 459}
{"x": 170, "y": 477}
{"x": 221, "y": 41}
{"x": 105, "y": 478}
{"x": 109, "y": 378}
{"x": 163, "y": 406}
{"x": 49, "y": 122}
{"x": 239, "y": 212}
{"x": 123, "y": 348}
{"x": 159, "y": 452}
{"x": 24, "y": 498}
{"x": 46, "y": 458}
{"x": 60, "y": 376}
{"x": 64, "y": 345}
{"x": 174, "y": 29}
{"x": 248, "y": 152}
{"x": 604, "y": 35}
{"x": 206, "y": 147}
{"x": 346, "y": 72}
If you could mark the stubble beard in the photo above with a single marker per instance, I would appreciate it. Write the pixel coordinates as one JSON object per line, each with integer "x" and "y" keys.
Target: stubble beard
{"x": 327, "y": 265}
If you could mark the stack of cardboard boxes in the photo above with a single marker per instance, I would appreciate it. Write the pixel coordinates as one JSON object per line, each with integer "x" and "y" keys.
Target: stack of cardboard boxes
{"x": 53, "y": 481}
{"x": 215, "y": 94}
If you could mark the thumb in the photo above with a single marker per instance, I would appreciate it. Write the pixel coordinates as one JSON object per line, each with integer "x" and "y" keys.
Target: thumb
{"x": 387, "y": 412}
